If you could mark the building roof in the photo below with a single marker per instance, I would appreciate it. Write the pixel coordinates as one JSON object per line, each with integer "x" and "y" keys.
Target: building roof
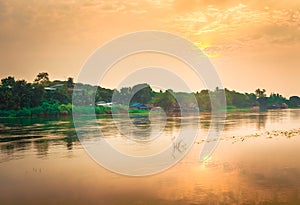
{"x": 139, "y": 106}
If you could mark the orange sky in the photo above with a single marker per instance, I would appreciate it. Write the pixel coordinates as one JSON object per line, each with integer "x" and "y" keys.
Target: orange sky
{"x": 251, "y": 43}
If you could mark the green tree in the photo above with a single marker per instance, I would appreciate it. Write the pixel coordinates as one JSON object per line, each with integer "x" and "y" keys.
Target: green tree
{"x": 7, "y": 96}
{"x": 218, "y": 99}
{"x": 203, "y": 100}
{"x": 166, "y": 101}
{"x": 186, "y": 100}
{"x": 104, "y": 94}
{"x": 123, "y": 96}
{"x": 142, "y": 93}
{"x": 276, "y": 100}
{"x": 37, "y": 95}
{"x": 23, "y": 91}
{"x": 15, "y": 95}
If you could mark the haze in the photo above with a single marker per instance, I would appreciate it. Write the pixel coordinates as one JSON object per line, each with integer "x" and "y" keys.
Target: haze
{"x": 253, "y": 44}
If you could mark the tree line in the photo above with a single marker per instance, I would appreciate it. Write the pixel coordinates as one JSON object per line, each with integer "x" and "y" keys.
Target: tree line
{"x": 46, "y": 97}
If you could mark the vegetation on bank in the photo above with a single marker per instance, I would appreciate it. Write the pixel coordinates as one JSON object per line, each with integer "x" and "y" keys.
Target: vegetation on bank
{"x": 44, "y": 98}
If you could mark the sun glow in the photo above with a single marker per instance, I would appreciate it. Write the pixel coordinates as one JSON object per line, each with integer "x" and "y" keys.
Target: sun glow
{"x": 208, "y": 49}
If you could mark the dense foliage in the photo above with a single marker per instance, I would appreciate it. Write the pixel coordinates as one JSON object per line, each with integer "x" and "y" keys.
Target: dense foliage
{"x": 45, "y": 97}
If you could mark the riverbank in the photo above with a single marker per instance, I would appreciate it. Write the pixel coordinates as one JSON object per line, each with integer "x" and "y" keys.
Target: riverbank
{"x": 56, "y": 109}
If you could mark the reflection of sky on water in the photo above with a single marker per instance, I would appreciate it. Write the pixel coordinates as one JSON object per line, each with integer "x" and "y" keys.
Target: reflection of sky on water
{"x": 51, "y": 168}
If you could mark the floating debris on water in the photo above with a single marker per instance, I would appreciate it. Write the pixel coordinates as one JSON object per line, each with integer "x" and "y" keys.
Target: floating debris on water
{"x": 266, "y": 134}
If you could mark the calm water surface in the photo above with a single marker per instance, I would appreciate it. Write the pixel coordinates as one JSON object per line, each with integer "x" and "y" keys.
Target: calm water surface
{"x": 255, "y": 162}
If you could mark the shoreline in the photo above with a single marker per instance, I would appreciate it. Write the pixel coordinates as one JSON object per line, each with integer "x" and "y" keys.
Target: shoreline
{"x": 30, "y": 112}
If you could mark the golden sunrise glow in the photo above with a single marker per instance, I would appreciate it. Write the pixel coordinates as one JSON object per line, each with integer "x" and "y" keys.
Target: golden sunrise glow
{"x": 251, "y": 43}
{"x": 208, "y": 50}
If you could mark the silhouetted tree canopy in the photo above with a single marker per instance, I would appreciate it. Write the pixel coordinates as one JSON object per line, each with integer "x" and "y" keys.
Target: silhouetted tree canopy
{"x": 42, "y": 78}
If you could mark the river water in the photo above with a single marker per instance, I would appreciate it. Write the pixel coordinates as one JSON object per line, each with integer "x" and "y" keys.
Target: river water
{"x": 255, "y": 161}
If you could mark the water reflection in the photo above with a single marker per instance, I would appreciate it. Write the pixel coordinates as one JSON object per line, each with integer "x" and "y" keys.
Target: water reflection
{"x": 20, "y": 134}
{"x": 261, "y": 121}
{"x": 25, "y": 130}
{"x": 42, "y": 147}
{"x": 256, "y": 162}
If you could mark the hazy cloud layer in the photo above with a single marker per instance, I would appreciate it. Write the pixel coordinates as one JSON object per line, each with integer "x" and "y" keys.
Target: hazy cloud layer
{"x": 54, "y": 35}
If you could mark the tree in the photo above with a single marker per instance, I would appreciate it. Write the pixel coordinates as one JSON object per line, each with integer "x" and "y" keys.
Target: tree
{"x": 186, "y": 100}
{"x": 7, "y": 96}
{"x": 70, "y": 82}
{"x": 203, "y": 100}
{"x": 42, "y": 78}
{"x": 104, "y": 94}
{"x": 37, "y": 95}
{"x": 23, "y": 91}
{"x": 166, "y": 100}
{"x": 8, "y": 82}
{"x": 294, "y": 101}
{"x": 15, "y": 95}
{"x": 142, "y": 93}
{"x": 218, "y": 99}
{"x": 251, "y": 99}
{"x": 276, "y": 100}
{"x": 260, "y": 93}
{"x": 122, "y": 96}
{"x": 263, "y": 103}
{"x": 262, "y": 99}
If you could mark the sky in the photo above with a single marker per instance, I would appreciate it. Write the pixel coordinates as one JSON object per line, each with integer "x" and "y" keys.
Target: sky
{"x": 252, "y": 44}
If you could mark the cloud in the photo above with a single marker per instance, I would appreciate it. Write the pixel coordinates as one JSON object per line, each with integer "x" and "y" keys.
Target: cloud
{"x": 231, "y": 25}
{"x": 220, "y": 27}
{"x": 184, "y": 5}
{"x": 189, "y": 5}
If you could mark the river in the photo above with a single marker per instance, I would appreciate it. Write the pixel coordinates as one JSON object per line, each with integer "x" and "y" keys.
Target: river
{"x": 255, "y": 161}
